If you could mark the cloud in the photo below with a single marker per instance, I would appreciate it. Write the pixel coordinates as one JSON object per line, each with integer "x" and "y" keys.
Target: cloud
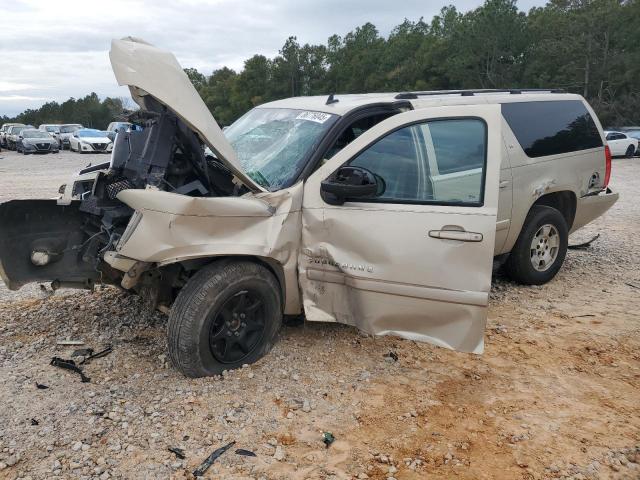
{"x": 56, "y": 50}
{"x": 19, "y": 98}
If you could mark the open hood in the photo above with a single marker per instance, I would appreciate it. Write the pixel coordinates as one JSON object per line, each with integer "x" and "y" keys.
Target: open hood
{"x": 148, "y": 70}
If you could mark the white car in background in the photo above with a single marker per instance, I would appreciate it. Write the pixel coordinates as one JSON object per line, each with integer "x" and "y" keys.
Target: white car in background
{"x": 621, "y": 144}
{"x": 64, "y": 133}
{"x": 89, "y": 140}
{"x": 50, "y": 128}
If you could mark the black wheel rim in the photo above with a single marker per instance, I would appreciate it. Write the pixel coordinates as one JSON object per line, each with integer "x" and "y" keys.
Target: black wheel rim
{"x": 237, "y": 327}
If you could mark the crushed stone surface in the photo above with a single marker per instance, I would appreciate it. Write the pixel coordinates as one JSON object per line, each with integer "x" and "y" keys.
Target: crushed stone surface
{"x": 555, "y": 395}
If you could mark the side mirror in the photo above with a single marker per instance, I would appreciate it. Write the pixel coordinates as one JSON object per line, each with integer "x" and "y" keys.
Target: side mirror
{"x": 350, "y": 182}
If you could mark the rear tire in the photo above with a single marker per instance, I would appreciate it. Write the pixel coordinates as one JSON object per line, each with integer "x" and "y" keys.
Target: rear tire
{"x": 541, "y": 247}
{"x": 631, "y": 150}
{"x": 228, "y": 314}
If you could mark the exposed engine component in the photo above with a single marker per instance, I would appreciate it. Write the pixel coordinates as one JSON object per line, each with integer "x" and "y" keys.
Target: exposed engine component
{"x": 167, "y": 155}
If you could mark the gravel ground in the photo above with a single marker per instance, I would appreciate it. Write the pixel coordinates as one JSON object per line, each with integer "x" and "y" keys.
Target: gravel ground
{"x": 555, "y": 395}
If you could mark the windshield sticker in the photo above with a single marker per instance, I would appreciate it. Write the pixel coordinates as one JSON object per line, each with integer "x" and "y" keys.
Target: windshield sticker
{"x": 317, "y": 117}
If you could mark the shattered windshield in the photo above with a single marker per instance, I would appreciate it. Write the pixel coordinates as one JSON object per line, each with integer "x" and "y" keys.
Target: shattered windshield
{"x": 273, "y": 144}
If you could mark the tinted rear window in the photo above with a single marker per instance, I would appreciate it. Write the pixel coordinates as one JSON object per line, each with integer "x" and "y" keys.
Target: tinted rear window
{"x": 550, "y": 128}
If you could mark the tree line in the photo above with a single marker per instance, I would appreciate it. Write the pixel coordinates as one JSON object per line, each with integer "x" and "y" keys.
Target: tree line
{"x": 90, "y": 111}
{"x": 590, "y": 47}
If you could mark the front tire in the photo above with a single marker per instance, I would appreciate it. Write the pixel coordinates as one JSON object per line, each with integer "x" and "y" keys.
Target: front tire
{"x": 228, "y": 314}
{"x": 541, "y": 247}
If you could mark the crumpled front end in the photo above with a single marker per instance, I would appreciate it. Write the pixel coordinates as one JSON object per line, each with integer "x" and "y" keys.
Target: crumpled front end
{"x": 168, "y": 229}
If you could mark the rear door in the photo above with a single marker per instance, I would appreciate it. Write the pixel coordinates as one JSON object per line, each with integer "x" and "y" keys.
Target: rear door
{"x": 416, "y": 260}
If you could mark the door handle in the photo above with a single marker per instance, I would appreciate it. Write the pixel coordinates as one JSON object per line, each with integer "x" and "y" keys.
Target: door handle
{"x": 504, "y": 184}
{"x": 460, "y": 235}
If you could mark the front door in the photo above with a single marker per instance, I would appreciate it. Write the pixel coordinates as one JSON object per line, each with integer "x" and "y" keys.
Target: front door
{"x": 415, "y": 259}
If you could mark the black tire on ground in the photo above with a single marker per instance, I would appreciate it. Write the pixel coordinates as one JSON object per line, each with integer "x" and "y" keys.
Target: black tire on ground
{"x": 519, "y": 265}
{"x": 227, "y": 314}
{"x": 631, "y": 150}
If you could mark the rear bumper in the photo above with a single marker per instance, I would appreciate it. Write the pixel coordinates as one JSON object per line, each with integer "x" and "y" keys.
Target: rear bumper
{"x": 590, "y": 207}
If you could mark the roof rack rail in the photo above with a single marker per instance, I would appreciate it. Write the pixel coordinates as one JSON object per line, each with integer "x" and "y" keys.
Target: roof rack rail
{"x": 471, "y": 93}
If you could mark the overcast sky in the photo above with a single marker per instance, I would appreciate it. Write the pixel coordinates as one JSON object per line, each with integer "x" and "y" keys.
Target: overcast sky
{"x": 53, "y": 50}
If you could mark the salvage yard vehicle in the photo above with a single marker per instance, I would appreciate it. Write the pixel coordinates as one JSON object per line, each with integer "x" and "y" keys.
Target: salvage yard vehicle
{"x": 621, "y": 144}
{"x": 51, "y": 128}
{"x": 36, "y": 141}
{"x": 87, "y": 140}
{"x": 115, "y": 127}
{"x": 13, "y": 133}
{"x": 4, "y": 130}
{"x": 383, "y": 211}
{"x": 65, "y": 133}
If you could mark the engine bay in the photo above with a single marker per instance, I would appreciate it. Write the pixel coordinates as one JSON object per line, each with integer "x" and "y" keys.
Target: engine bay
{"x": 66, "y": 243}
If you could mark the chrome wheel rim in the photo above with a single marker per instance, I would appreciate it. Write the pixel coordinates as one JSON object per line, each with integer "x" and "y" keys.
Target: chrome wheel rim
{"x": 544, "y": 247}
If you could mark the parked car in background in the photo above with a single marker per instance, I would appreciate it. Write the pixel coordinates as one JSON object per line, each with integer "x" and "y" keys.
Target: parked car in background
{"x": 65, "y": 132}
{"x": 4, "y": 131}
{"x": 13, "y": 133}
{"x": 117, "y": 127}
{"x": 51, "y": 128}
{"x": 633, "y": 132}
{"x": 621, "y": 144}
{"x": 90, "y": 140}
{"x": 31, "y": 140}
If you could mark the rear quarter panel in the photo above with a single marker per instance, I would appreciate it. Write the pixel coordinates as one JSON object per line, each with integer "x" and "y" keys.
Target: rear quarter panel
{"x": 535, "y": 177}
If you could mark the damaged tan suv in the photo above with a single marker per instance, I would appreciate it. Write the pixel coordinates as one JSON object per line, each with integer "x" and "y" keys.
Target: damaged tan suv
{"x": 382, "y": 211}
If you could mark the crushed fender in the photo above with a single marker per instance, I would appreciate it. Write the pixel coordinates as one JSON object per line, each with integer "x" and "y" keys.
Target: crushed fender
{"x": 178, "y": 452}
{"x": 582, "y": 246}
{"x": 69, "y": 365}
{"x": 204, "y": 466}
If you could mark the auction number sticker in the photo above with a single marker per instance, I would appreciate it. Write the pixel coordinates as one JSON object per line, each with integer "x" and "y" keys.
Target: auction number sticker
{"x": 318, "y": 117}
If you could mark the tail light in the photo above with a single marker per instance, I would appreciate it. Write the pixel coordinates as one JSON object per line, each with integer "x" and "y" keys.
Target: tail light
{"x": 607, "y": 171}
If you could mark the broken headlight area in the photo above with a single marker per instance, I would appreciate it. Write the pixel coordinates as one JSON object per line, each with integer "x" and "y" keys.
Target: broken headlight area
{"x": 43, "y": 241}
{"x": 65, "y": 244}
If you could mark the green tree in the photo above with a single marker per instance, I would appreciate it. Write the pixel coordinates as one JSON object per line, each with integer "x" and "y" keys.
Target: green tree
{"x": 591, "y": 47}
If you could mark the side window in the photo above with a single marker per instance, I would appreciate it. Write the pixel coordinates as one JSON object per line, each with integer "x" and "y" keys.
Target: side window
{"x": 354, "y": 130}
{"x": 440, "y": 162}
{"x": 551, "y": 127}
